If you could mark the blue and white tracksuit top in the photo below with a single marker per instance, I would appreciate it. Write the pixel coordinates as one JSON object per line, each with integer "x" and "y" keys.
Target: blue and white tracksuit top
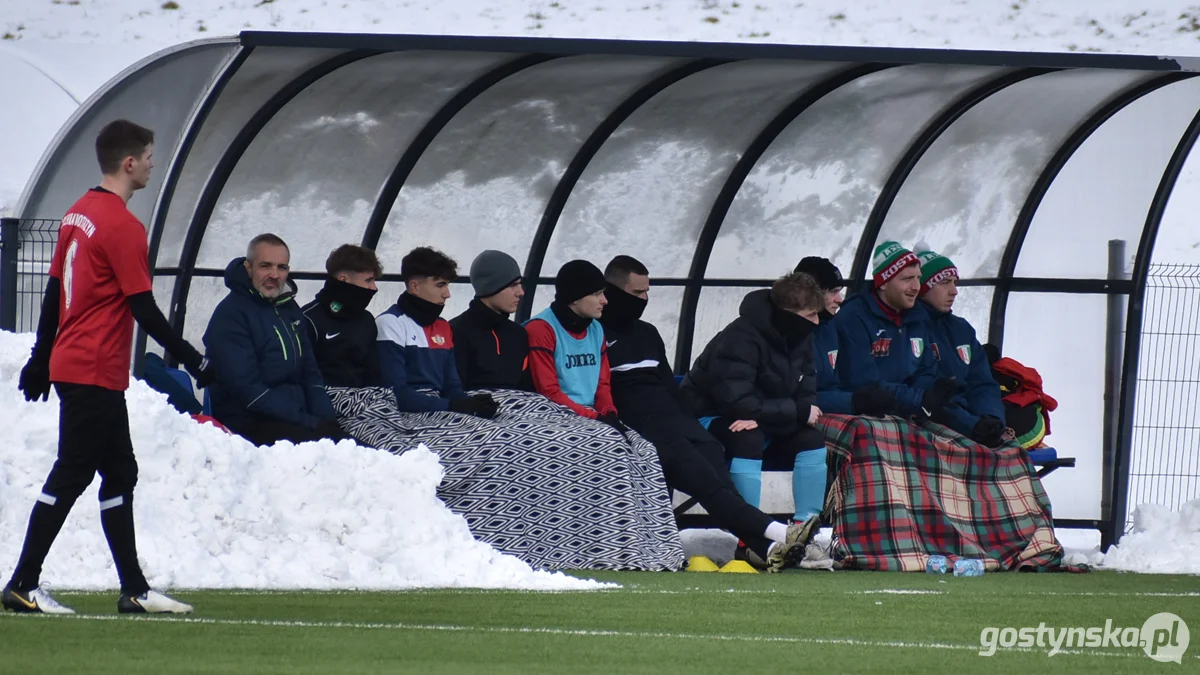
{"x": 414, "y": 357}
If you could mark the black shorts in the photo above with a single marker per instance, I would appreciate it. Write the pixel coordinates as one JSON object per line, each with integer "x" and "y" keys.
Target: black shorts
{"x": 93, "y": 436}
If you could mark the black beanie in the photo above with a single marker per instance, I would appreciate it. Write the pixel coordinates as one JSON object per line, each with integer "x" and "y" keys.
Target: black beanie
{"x": 828, "y": 276}
{"x": 577, "y": 279}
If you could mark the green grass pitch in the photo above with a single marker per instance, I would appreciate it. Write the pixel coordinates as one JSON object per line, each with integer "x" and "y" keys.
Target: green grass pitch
{"x": 656, "y": 623}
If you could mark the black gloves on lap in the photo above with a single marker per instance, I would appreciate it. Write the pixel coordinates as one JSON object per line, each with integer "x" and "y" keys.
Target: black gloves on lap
{"x": 479, "y": 405}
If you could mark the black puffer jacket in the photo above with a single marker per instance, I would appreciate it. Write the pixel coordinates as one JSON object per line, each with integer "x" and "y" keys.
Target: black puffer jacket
{"x": 749, "y": 371}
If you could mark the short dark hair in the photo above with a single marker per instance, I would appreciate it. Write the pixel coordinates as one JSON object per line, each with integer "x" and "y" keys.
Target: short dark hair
{"x": 619, "y": 268}
{"x": 797, "y": 292}
{"x": 351, "y": 258}
{"x": 120, "y": 139}
{"x": 427, "y": 262}
{"x": 265, "y": 238}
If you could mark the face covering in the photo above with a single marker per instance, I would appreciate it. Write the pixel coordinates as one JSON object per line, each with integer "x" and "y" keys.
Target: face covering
{"x": 346, "y": 297}
{"x": 791, "y": 325}
{"x": 623, "y": 308}
{"x": 421, "y": 311}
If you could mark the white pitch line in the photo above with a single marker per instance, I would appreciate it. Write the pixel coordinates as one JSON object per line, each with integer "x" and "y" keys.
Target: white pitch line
{"x": 573, "y": 632}
{"x": 638, "y": 591}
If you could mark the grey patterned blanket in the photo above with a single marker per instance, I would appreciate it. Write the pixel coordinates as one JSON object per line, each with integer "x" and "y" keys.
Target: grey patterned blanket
{"x": 539, "y": 482}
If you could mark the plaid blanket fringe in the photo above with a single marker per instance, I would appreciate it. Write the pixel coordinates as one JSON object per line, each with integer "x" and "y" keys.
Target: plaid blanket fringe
{"x": 905, "y": 492}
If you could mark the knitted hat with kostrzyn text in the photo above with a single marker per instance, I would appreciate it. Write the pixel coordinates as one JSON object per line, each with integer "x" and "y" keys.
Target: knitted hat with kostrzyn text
{"x": 935, "y": 267}
{"x": 889, "y": 259}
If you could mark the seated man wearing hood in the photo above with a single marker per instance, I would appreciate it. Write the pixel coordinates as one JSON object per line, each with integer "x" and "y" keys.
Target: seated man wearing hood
{"x": 757, "y": 383}
{"x": 339, "y": 327}
{"x": 268, "y": 385}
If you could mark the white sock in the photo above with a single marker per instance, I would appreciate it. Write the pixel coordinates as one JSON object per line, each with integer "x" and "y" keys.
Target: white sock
{"x": 771, "y": 549}
{"x": 776, "y": 531}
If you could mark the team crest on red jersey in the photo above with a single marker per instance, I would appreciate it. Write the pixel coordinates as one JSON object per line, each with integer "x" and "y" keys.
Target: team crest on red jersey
{"x": 439, "y": 340}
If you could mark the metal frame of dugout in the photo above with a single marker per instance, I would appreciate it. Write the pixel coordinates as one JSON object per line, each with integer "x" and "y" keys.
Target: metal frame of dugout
{"x": 222, "y": 108}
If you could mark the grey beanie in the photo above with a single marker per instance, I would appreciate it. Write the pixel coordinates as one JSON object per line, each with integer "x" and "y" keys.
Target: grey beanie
{"x": 492, "y": 272}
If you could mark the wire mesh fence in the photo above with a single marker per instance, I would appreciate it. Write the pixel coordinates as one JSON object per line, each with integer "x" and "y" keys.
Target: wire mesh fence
{"x": 1165, "y": 461}
{"x": 28, "y": 246}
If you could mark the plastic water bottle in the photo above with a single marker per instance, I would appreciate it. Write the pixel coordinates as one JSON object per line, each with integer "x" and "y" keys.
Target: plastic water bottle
{"x": 937, "y": 564}
{"x": 964, "y": 567}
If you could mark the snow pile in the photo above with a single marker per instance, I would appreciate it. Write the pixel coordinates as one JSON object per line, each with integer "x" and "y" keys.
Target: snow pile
{"x": 1162, "y": 542}
{"x": 215, "y": 512}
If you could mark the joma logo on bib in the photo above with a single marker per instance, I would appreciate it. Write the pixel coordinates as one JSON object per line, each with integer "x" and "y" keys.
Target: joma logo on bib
{"x": 580, "y": 360}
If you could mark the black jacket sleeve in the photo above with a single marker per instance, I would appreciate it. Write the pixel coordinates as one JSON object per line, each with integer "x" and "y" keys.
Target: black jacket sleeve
{"x": 151, "y": 319}
{"x": 47, "y": 330}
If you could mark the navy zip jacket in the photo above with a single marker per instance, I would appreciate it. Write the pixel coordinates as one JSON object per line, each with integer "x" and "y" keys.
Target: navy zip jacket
{"x": 958, "y": 354}
{"x": 831, "y": 398}
{"x": 872, "y": 348}
{"x": 265, "y": 364}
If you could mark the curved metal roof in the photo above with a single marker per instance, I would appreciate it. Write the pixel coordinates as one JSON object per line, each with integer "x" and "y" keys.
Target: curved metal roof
{"x": 720, "y": 165}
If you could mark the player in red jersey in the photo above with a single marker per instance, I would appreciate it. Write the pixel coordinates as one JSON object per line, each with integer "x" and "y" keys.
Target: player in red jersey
{"x": 99, "y": 284}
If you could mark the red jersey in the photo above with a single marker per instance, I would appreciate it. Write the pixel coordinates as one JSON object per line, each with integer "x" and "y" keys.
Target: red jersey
{"x": 102, "y": 257}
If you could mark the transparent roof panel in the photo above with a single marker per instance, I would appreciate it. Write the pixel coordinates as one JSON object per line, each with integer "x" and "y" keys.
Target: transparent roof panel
{"x": 313, "y": 173}
{"x": 1106, "y": 188}
{"x": 964, "y": 194}
{"x": 485, "y": 180}
{"x": 974, "y": 303}
{"x": 1073, "y": 372}
{"x": 812, "y": 190}
{"x": 1178, "y": 240}
{"x": 264, "y": 73}
{"x": 650, "y": 188}
{"x": 717, "y": 308}
{"x": 159, "y": 95}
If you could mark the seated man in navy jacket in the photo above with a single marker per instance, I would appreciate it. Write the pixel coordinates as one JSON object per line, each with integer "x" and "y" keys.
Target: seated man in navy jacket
{"x": 883, "y": 337}
{"x": 268, "y": 386}
{"x": 416, "y": 345}
{"x": 976, "y": 410}
{"x": 871, "y": 398}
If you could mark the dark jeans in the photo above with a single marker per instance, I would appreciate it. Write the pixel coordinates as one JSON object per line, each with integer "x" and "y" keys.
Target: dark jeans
{"x": 694, "y": 462}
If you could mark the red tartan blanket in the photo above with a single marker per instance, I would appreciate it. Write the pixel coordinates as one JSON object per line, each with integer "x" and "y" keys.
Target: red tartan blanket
{"x": 905, "y": 492}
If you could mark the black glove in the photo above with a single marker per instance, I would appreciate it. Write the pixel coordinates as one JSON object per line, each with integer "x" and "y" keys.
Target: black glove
{"x": 197, "y": 366}
{"x": 479, "y": 405}
{"x": 35, "y": 380}
{"x": 988, "y": 431}
{"x": 937, "y": 396}
{"x": 874, "y": 400}
{"x": 330, "y": 429}
{"x": 613, "y": 421}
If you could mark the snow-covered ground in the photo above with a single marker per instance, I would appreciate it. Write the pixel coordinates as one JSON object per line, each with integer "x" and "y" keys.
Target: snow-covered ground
{"x": 213, "y": 511}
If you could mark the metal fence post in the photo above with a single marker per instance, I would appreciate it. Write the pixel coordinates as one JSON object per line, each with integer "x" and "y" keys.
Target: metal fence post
{"x": 10, "y": 233}
{"x": 1113, "y": 355}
